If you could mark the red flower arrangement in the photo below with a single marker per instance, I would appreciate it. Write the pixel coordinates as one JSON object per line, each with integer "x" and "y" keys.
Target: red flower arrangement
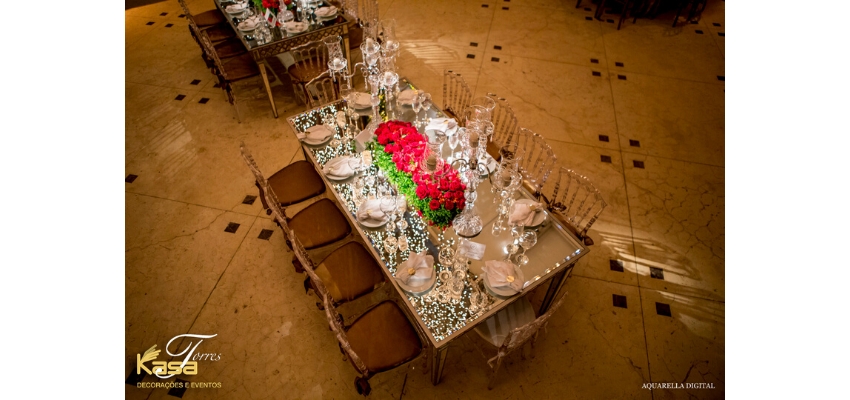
{"x": 439, "y": 196}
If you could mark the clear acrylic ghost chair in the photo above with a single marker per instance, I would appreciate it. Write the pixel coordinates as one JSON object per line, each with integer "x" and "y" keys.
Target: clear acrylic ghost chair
{"x": 536, "y": 159}
{"x": 511, "y": 328}
{"x": 505, "y": 126}
{"x": 456, "y": 94}
{"x": 380, "y": 339}
{"x": 311, "y": 59}
{"x": 321, "y": 90}
{"x": 576, "y": 202}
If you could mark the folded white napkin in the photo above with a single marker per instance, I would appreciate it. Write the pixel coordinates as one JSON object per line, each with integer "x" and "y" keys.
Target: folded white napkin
{"x": 235, "y": 8}
{"x": 248, "y": 24}
{"x": 407, "y": 96}
{"x": 338, "y": 167}
{"x": 370, "y": 210}
{"x": 417, "y": 268}
{"x": 326, "y": 11}
{"x": 503, "y": 275}
{"x": 317, "y": 133}
{"x": 295, "y": 26}
{"x": 362, "y": 100}
{"x": 524, "y": 212}
{"x": 441, "y": 124}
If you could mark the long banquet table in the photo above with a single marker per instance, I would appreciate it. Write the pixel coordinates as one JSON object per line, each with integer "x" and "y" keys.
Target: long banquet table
{"x": 550, "y": 260}
{"x": 282, "y": 43}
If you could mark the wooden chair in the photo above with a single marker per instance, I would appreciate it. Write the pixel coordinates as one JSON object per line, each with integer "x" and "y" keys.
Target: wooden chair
{"x": 511, "y": 328}
{"x": 311, "y": 60}
{"x": 456, "y": 94}
{"x": 380, "y": 339}
{"x": 321, "y": 90}
{"x": 212, "y": 21}
{"x": 320, "y": 224}
{"x": 226, "y": 48}
{"x": 573, "y": 200}
{"x": 696, "y": 7}
{"x": 236, "y": 69}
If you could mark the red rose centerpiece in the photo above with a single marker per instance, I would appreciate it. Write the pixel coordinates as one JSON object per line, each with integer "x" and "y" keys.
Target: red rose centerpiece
{"x": 437, "y": 195}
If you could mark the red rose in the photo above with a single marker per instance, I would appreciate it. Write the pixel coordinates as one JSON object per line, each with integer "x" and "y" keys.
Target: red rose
{"x": 449, "y": 205}
{"x": 421, "y": 192}
{"x": 455, "y": 185}
{"x": 434, "y": 193}
{"x": 434, "y": 204}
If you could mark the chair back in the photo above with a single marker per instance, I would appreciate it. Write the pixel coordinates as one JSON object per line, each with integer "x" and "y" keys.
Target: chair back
{"x": 269, "y": 197}
{"x": 252, "y": 165}
{"x": 369, "y": 11}
{"x": 575, "y": 198}
{"x": 321, "y": 90}
{"x": 334, "y": 319}
{"x": 456, "y": 94}
{"x": 536, "y": 158}
{"x": 311, "y": 58}
{"x": 186, "y": 11}
{"x": 520, "y": 335}
{"x": 209, "y": 50}
{"x": 505, "y": 124}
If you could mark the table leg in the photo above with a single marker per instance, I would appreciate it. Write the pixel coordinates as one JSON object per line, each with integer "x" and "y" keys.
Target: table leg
{"x": 437, "y": 361}
{"x": 555, "y": 285}
{"x": 268, "y": 88}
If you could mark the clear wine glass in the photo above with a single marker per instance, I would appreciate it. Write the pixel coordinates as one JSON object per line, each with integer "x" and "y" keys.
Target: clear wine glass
{"x": 388, "y": 207}
{"x": 416, "y": 104}
{"x": 453, "y": 140}
{"x": 447, "y": 255}
{"x": 527, "y": 241}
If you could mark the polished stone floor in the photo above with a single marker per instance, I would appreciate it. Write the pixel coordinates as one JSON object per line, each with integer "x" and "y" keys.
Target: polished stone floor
{"x": 640, "y": 111}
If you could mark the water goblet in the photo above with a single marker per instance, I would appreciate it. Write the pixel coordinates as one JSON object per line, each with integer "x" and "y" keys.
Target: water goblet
{"x": 447, "y": 255}
{"x": 527, "y": 241}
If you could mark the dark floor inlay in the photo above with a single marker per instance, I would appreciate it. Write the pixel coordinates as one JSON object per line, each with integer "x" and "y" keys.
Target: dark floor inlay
{"x": 163, "y": 14}
{"x": 204, "y": 100}
{"x": 594, "y": 61}
{"x": 699, "y": 32}
{"x": 149, "y": 23}
{"x": 249, "y": 199}
{"x": 494, "y": 59}
{"x": 721, "y": 34}
{"x": 638, "y": 164}
{"x": 588, "y": 18}
{"x": 169, "y": 25}
{"x": 134, "y": 378}
{"x": 497, "y": 47}
{"x": 606, "y": 159}
{"x": 715, "y": 24}
{"x": 721, "y": 78}
{"x": 597, "y": 73}
{"x": 470, "y": 56}
{"x": 634, "y": 143}
{"x": 130, "y": 178}
{"x": 505, "y": 8}
{"x": 619, "y": 64}
{"x": 610, "y": 21}
{"x": 217, "y": 85}
{"x": 265, "y": 234}
{"x": 656, "y": 273}
{"x": 615, "y": 265}
{"x": 620, "y": 301}
{"x": 473, "y": 44}
{"x": 621, "y": 77}
{"x": 603, "y": 138}
{"x": 663, "y": 309}
{"x": 195, "y": 81}
{"x": 485, "y": 5}
{"x": 231, "y": 227}
{"x": 178, "y": 392}
{"x": 181, "y": 15}
{"x": 180, "y": 97}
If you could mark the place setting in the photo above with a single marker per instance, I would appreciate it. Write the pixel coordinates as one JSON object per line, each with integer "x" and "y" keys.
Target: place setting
{"x": 416, "y": 275}
{"x": 326, "y": 12}
{"x": 502, "y": 278}
{"x": 528, "y": 212}
{"x": 342, "y": 168}
{"x": 371, "y": 215}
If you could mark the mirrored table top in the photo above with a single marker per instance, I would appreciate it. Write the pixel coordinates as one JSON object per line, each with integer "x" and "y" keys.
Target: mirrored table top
{"x": 443, "y": 319}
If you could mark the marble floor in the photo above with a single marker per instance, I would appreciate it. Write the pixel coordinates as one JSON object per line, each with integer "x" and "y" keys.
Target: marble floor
{"x": 640, "y": 111}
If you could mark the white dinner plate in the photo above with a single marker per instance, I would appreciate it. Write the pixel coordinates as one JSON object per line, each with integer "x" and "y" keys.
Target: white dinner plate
{"x": 362, "y": 101}
{"x": 502, "y": 292}
{"x": 371, "y": 223}
{"x": 422, "y": 289}
{"x": 339, "y": 178}
{"x": 539, "y": 216}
